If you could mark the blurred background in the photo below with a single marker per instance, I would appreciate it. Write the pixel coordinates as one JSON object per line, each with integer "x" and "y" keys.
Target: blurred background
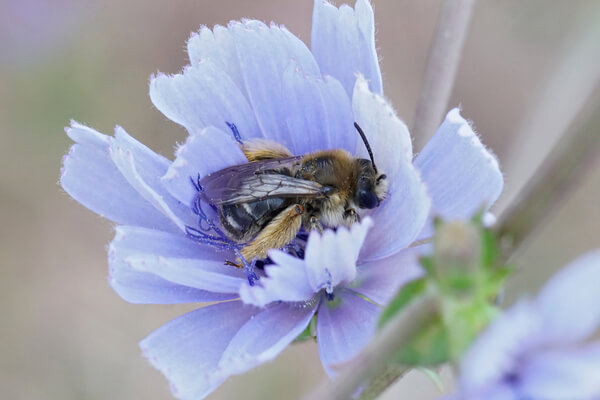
{"x": 528, "y": 70}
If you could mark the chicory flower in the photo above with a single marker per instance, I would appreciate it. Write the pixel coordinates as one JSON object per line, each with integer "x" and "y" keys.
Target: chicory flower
{"x": 246, "y": 81}
{"x": 541, "y": 348}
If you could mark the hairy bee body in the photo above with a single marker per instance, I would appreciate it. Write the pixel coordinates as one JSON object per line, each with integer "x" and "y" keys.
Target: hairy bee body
{"x": 265, "y": 203}
{"x": 242, "y": 222}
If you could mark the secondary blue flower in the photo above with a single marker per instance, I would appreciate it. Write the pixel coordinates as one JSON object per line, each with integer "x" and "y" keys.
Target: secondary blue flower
{"x": 541, "y": 348}
{"x": 265, "y": 82}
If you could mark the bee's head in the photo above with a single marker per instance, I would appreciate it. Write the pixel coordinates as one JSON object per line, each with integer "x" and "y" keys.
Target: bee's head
{"x": 371, "y": 186}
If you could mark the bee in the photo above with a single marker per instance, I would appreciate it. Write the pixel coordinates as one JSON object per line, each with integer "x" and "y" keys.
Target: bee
{"x": 265, "y": 203}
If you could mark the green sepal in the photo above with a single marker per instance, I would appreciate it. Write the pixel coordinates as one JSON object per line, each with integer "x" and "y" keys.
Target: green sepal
{"x": 489, "y": 248}
{"x": 408, "y": 292}
{"x": 309, "y": 332}
{"x": 463, "y": 323}
{"x": 495, "y": 279}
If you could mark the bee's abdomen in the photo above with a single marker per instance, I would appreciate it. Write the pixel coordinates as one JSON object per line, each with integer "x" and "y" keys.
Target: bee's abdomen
{"x": 242, "y": 222}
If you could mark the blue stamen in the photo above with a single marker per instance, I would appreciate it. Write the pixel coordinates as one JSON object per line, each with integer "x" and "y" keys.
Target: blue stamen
{"x": 328, "y": 286}
{"x": 236, "y": 133}
{"x": 205, "y": 225}
{"x": 248, "y": 268}
{"x": 217, "y": 238}
{"x": 196, "y": 184}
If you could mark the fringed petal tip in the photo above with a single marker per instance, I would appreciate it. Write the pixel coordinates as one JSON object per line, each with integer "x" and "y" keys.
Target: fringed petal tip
{"x": 343, "y": 42}
{"x": 461, "y": 174}
{"x": 286, "y": 280}
{"x": 466, "y": 130}
{"x": 331, "y": 257}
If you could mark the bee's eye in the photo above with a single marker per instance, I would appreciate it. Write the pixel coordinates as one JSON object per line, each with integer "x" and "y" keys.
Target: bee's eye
{"x": 367, "y": 199}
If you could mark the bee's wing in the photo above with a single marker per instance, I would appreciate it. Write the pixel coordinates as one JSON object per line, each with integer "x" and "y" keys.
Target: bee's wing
{"x": 257, "y": 180}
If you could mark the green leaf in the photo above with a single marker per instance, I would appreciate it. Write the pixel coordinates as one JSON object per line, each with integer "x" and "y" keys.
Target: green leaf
{"x": 408, "y": 293}
{"x": 428, "y": 347}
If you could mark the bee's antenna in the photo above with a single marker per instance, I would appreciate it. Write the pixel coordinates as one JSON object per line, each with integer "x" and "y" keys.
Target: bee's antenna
{"x": 366, "y": 142}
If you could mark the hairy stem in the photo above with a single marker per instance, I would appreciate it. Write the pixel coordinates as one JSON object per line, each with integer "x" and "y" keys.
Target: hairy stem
{"x": 442, "y": 64}
{"x": 375, "y": 359}
{"x": 553, "y": 181}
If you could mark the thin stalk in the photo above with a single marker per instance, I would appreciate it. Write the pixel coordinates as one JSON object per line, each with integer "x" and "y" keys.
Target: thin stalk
{"x": 442, "y": 64}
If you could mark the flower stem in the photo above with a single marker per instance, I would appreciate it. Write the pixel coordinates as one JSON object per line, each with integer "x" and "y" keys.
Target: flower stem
{"x": 551, "y": 184}
{"x": 442, "y": 64}
{"x": 375, "y": 360}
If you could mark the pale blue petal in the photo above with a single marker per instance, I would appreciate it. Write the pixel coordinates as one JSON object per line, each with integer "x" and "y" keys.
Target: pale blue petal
{"x": 208, "y": 273}
{"x": 461, "y": 175}
{"x": 264, "y": 53}
{"x": 331, "y": 257}
{"x": 344, "y": 327}
{"x": 343, "y": 42}
{"x": 570, "y": 302}
{"x": 146, "y": 288}
{"x": 286, "y": 280}
{"x": 201, "y": 154}
{"x": 386, "y": 133}
{"x": 264, "y": 336}
{"x": 319, "y": 114}
{"x": 562, "y": 374}
{"x": 204, "y": 95}
{"x": 218, "y": 47}
{"x": 498, "y": 351}
{"x": 90, "y": 177}
{"x": 400, "y": 217}
{"x": 380, "y": 280}
{"x": 342, "y": 134}
{"x": 500, "y": 391}
{"x": 142, "y": 168}
{"x": 187, "y": 350}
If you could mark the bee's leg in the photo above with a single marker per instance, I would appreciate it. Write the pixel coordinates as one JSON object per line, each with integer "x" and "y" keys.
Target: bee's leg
{"x": 276, "y": 234}
{"x": 262, "y": 149}
{"x": 313, "y": 223}
{"x": 351, "y": 216}
{"x": 233, "y": 264}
